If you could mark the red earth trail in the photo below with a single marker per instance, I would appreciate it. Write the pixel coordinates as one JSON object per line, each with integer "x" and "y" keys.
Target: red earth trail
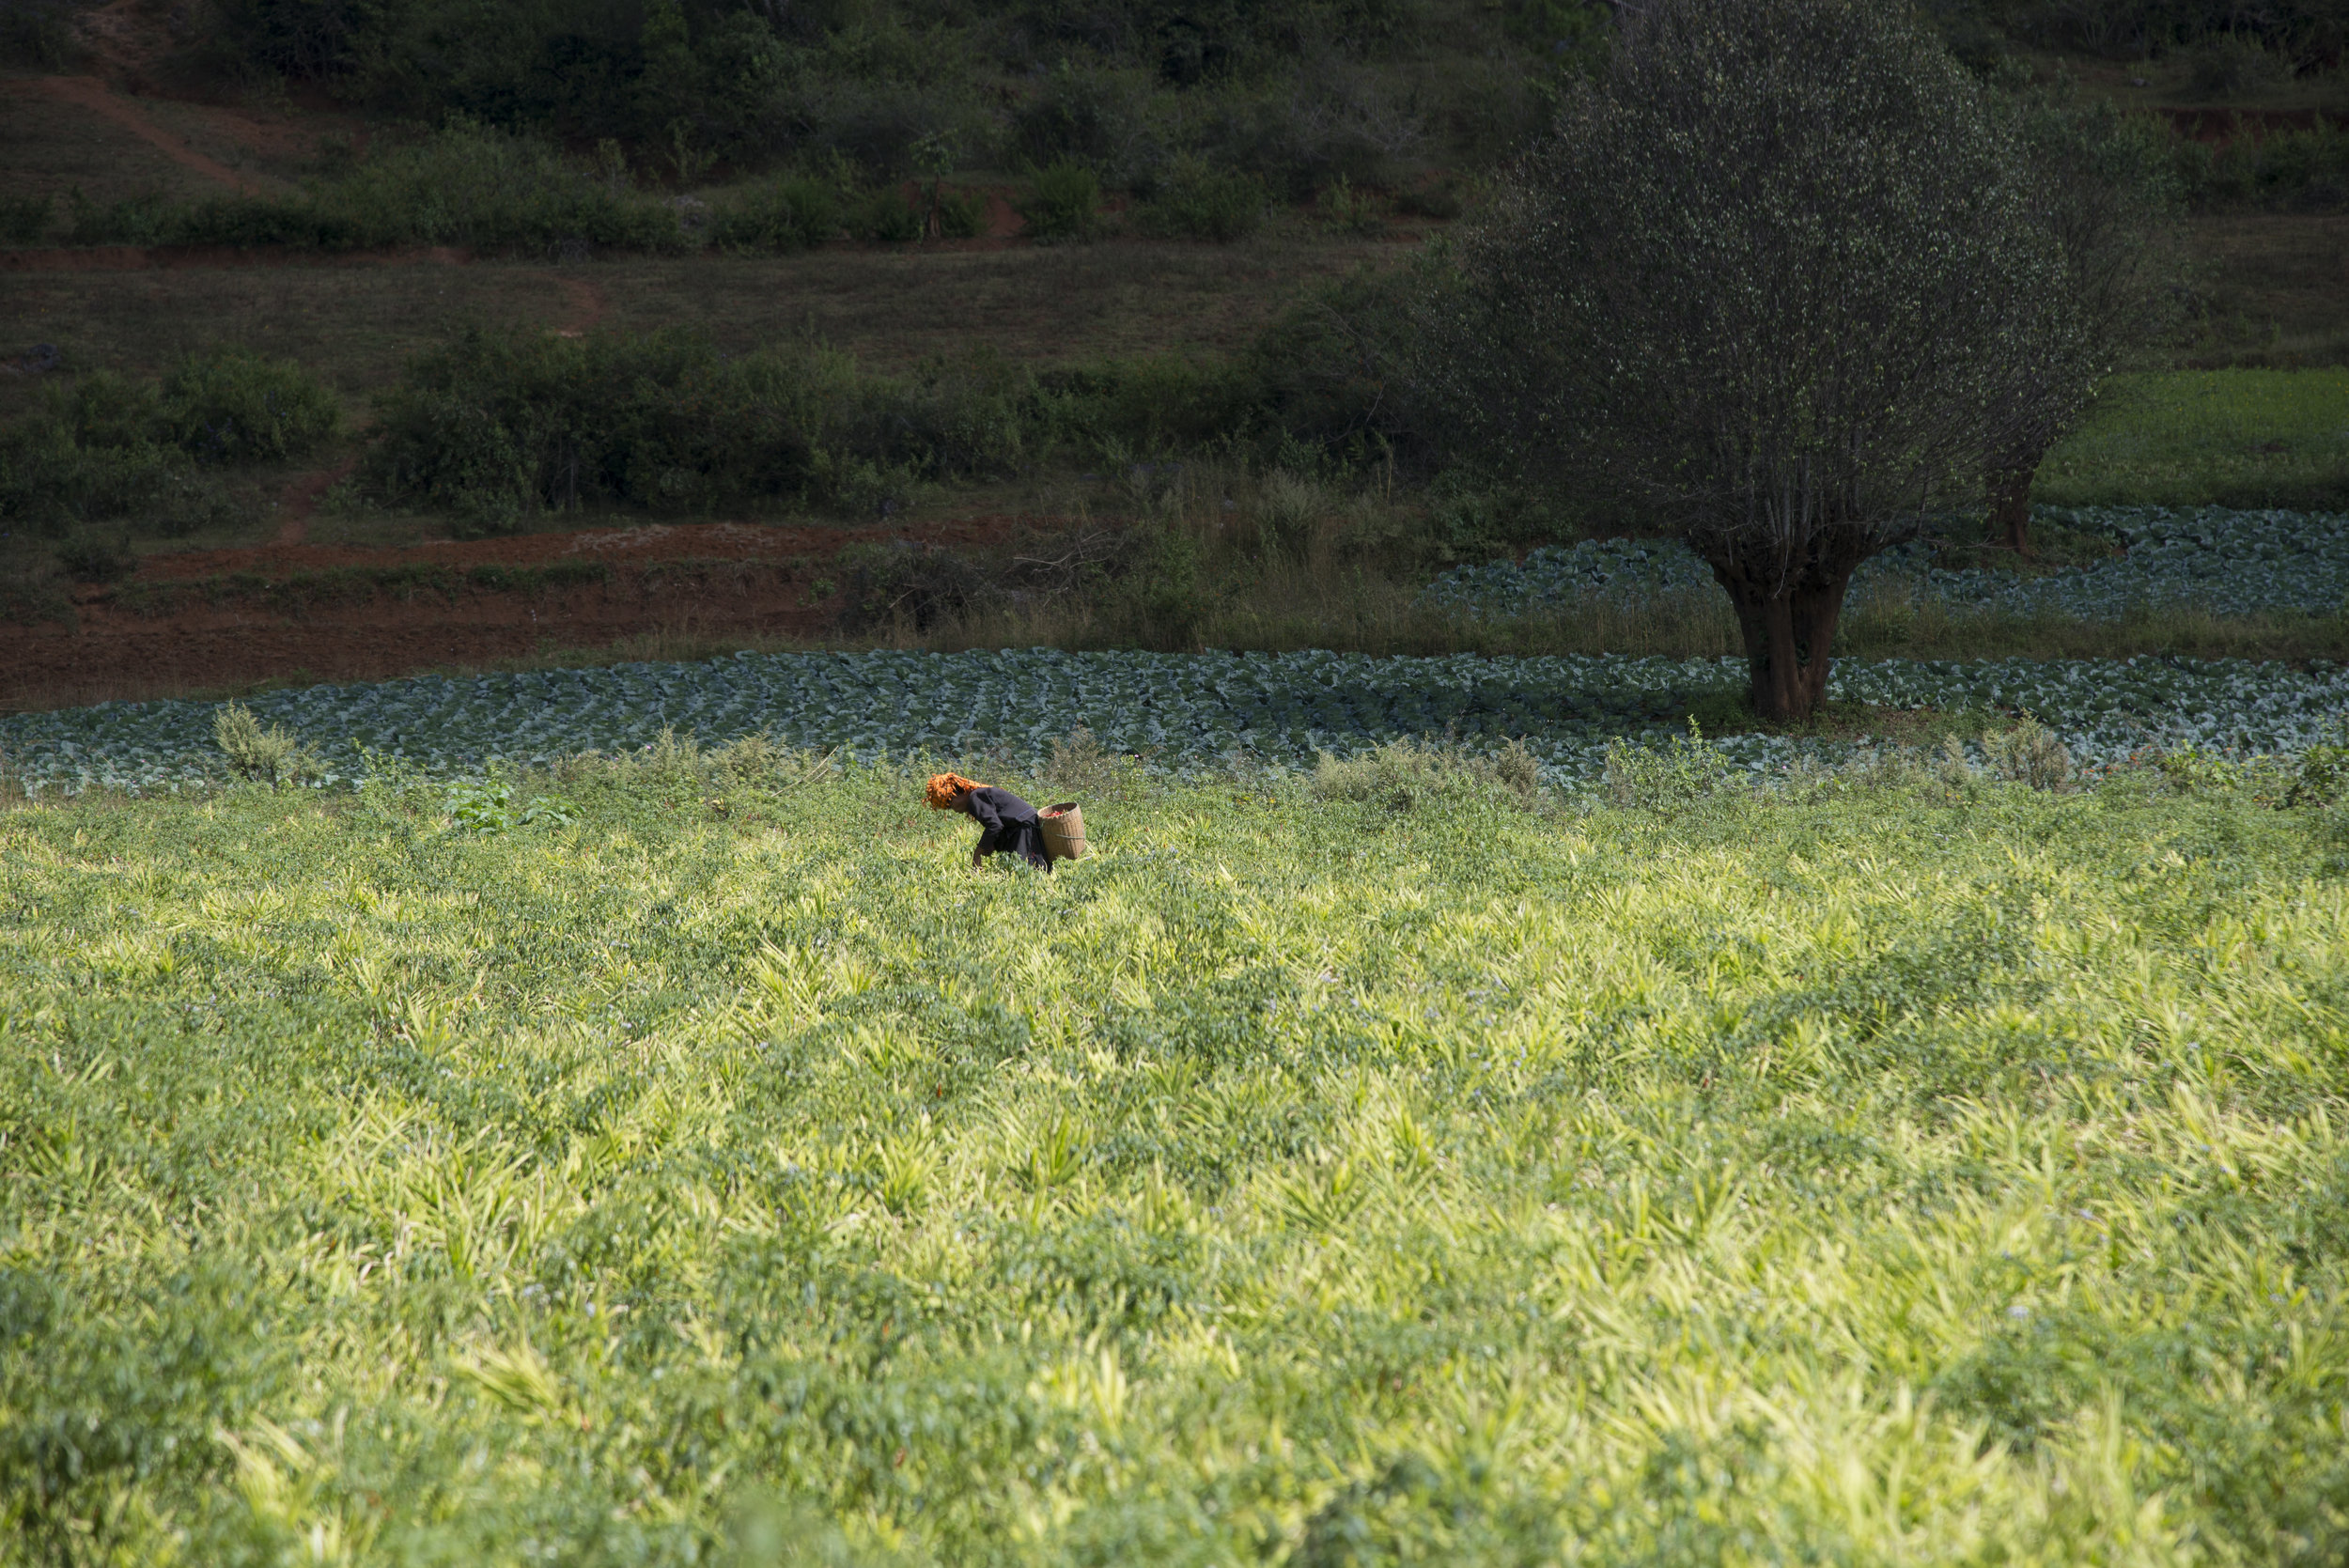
{"x": 88, "y": 92}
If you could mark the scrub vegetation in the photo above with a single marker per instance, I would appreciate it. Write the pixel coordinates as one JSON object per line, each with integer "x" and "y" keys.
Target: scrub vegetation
{"x": 682, "y": 1158}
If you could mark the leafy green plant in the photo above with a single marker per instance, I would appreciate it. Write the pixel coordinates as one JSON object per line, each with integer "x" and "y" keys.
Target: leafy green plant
{"x": 792, "y": 215}
{"x": 2027, "y": 755}
{"x": 1405, "y": 775}
{"x": 962, "y": 214}
{"x": 1347, "y": 211}
{"x": 1062, "y": 202}
{"x": 1682, "y": 773}
{"x": 733, "y": 1153}
{"x": 884, "y": 215}
{"x": 267, "y": 754}
{"x": 88, "y": 559}
{"x": 25, "y": 219}
{"x": 231, "y": 404}
{"x": 1195, "y": 200}
{"x": 487, "y": 806}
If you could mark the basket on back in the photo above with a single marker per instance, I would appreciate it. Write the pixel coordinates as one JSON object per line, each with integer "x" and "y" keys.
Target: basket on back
{"x": 1064, "y": 830}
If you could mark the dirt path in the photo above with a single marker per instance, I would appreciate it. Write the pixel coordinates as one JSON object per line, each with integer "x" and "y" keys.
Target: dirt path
{"x": 88, "y": 92}
{"x": 584, "y": 306}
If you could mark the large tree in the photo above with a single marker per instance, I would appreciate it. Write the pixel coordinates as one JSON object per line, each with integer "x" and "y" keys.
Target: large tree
{"x": 1778, "y": 279}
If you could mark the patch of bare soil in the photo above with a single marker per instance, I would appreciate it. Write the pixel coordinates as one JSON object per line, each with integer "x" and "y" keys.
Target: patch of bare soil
{"x": 205, "y": 619}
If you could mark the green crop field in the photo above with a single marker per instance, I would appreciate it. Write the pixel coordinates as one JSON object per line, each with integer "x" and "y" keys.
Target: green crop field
{"x": 688, "y": 1159}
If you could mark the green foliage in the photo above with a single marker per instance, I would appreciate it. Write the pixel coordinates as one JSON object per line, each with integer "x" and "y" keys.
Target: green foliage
{"x": 25, "y": 219}
{"x": 728, "y": 1175}
{"x": 86, "y": 559}
{"x": 488, "y": 806}
{"x": 234, "y": 406}
{"x": 106, "y": 446}
{"x": 1062, "y": 202}
{"x": 962, "y": 214}
{"x": 1408, "y": 775}
{"x": 2294, "y": 170}
{"x": 885, "y": 215}
{"x": 268, "y": 756}
{"x": 1679, "y": 774}
{"x": 1193, "y": 200}
{"x": 465, "y": 184}
{"x": 793, "y": 214}
{"x": 497, "y": 427}
{"x": 39, "y": 34}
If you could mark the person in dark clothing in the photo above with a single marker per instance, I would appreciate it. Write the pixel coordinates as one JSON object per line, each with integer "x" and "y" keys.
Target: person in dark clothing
{"x": 1008, "y": 824}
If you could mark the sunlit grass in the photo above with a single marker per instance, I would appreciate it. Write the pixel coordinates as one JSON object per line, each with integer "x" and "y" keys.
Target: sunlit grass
{"x": 2192, "y": 437}
{"x": 1941, "y": 1173}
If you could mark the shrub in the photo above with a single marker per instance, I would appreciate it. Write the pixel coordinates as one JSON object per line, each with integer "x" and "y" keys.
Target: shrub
{"x": 1404, "y": 775}
{"x": 794, "y": 214}
{"x": 905, "y": 583}
{"x": 1683, "y": 773}
{"x": 1196, "y": 201}
{"x": 1064, "y": 202}
{"x": 2027, "y": 755}
{"x": 962, "y": 214}
{"x": 25, "y": 219}
{"x": 270, "y": 756}
{"x": 495, "y": 426}
{"x": 233, "y": 406}
{"x": 90, "y": 560}
{"x": 885, "y": 215}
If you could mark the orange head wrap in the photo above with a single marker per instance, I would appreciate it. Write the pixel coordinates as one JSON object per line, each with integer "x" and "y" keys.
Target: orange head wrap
{"x": 946, "y": 791}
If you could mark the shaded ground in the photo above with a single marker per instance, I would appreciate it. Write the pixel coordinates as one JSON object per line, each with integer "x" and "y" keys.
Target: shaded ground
{"x": 203, "y": 619}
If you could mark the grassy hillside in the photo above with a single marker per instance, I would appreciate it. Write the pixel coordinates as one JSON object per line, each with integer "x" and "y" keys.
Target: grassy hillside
{"x": 704, "y": 1164}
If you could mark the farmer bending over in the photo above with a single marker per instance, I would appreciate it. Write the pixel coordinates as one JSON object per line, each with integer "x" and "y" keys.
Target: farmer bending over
{"x": 1008, "y": 824}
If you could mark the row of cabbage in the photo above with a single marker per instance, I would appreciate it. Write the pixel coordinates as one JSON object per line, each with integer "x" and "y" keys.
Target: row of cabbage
{"x": 1182, "y": 711}
{"x": 2229, "y": 563}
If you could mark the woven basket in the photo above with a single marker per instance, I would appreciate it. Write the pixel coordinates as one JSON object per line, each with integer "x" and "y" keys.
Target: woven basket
{"x": 1064, "y": 830}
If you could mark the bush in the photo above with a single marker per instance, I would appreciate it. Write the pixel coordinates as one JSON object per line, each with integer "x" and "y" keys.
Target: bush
{"x": 884, "y": 215}
{"x": 90, "y": 560}
{"x": 236, "y": 407}
{"x": 25, "y": 219}
{"x": 1064, "y": 202}
{"x": 270, "y": 756}
{"x": 1405, "y": 775}
{"x": 905, "y": 583}
{"x": 962, "y": 214}
{"x": 496, "y": 427}
{"x": 108, "y": 447}
{"x": 39, "y": 34}
{"x": 1196, "y": 201}
{"x": 793, "y": 214}
{"x": 2027, "y": 755}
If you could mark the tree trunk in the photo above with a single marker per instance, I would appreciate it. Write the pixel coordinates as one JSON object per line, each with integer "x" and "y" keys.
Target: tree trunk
{"x": 2010, "y": 506}
{"x": 1787, "y": 636}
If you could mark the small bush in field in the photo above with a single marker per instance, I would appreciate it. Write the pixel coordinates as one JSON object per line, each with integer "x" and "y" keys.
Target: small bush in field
{"x": 264, "y": 755}
{"x": 230, "y": 405}
{"x": 1200, "y": 202}
{"x": 1064, "y": 202}
{"x": 962, "y": 214}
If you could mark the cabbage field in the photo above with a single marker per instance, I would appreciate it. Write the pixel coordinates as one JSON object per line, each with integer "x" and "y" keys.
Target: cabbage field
{"x": 2229, "y": 563}
{"x": 1179, "y": 711}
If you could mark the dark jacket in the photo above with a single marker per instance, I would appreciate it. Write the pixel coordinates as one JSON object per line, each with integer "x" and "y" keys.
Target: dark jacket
{"x": 1008, "y": 824}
